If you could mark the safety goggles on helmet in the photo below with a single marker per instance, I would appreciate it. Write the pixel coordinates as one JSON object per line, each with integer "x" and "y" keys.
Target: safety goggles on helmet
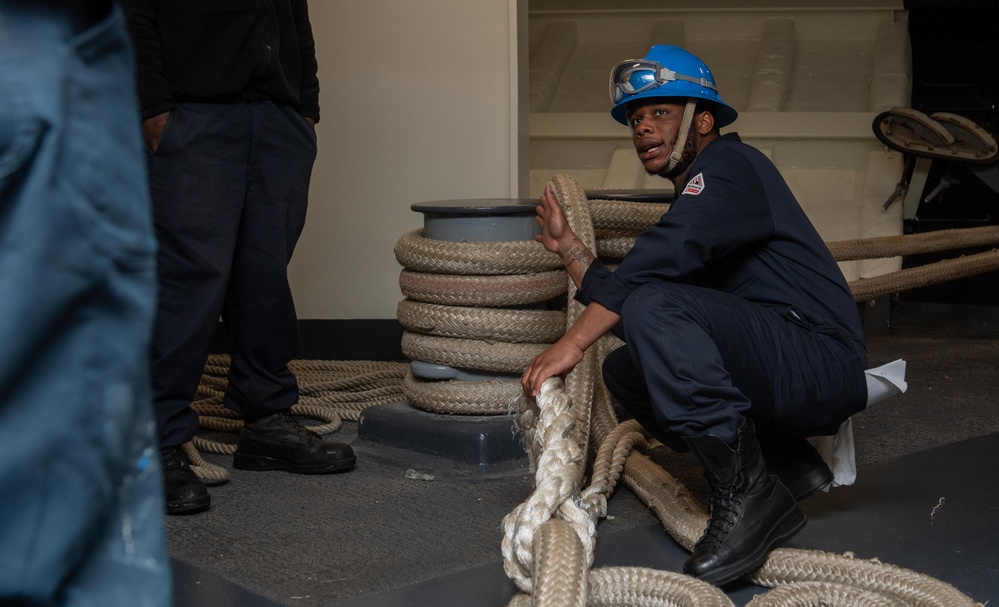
{"x": 638, "y": 75}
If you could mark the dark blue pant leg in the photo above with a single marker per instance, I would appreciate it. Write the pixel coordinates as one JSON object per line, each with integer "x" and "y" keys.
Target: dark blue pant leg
{"x": 259, "y": 313}
{"x": 198, "y": 177}
{"x": 230, "y": 190}
{"x": 81, "y": 504}
{"x": 626, "y": 383}
{"x": 710, "y": 359}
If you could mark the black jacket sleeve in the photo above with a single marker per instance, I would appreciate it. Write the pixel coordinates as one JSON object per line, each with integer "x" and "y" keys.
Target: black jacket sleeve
{"x": 155, "y": 95}
{"x": 309, "y": 86}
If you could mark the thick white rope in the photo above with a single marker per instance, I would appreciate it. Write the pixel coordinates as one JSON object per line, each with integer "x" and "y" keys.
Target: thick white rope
{"x": 559, "y": 462}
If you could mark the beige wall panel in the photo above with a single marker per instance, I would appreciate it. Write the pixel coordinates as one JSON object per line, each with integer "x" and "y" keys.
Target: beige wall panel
{"x": 420, "y": 101}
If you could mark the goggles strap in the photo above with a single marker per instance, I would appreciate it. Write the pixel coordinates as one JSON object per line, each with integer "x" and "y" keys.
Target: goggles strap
{"x": 665, "y": 75}
{"x": 681, "y": 136}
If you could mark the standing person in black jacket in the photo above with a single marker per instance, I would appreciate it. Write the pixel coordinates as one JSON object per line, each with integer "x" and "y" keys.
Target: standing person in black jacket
{"x": 742, "y": 337}
{"x": 230, "y": 98}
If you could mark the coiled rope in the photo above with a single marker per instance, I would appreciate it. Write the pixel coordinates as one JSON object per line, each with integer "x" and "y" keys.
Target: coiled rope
{"x": 480, "y": 306}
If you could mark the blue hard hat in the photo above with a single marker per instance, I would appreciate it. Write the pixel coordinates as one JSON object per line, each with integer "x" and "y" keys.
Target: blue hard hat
{"x": 665, "y": 71}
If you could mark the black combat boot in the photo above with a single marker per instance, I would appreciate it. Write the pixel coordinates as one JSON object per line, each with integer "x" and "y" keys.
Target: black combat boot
{"x": 280, "y": 442}
{"x": 183, "y": 490}
{"x": 750, "y": 513}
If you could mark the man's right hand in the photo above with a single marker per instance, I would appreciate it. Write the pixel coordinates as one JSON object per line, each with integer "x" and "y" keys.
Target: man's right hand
{"x": 152, "y": 129}
{"x": 555, "y": 231}
{"x": 556, "y": 361}
{"x": 556, "y": 236}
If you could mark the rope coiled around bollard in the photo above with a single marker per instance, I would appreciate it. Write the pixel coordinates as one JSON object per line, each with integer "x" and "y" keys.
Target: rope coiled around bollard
{"x": 483, "y": 291}
{"x": 491, "y": 397}
{"x": 505, "y": 325}
{"x": 421, "y": 254}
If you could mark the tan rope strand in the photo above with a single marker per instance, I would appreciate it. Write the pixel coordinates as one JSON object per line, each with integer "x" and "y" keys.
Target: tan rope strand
{"x": 482, "y": 291}
{"x": 210, "y": 474}
{"x": 912, "y": 244}
{"x": 469, "y": 353}
{"x": 609, "y": 464}
{"x": 803, "y": 594}
{"x": 580, "y": 381}
{"x": 681, "y": 514}
{"x": 641, "y": 586}
{"x": 614, "y": 247}
{"x": 415, "y": 252}
{"x": 560, "y": 566}
{"x": 921, "y": 276}
{"x": 787, "y": 565}
{"x": 207, "y": 445}
{"x": 515, "y": 326}
{"x": 603, "y": 419}
{"x": 491, "y": 397}
{"x": 624, "y": 215}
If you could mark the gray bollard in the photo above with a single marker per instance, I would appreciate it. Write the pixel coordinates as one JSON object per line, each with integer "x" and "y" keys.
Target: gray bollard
{"x": 485, "y": 443}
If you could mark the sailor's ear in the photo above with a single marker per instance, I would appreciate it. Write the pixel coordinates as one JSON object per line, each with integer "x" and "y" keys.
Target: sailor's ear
{"x": 704, "y": 122}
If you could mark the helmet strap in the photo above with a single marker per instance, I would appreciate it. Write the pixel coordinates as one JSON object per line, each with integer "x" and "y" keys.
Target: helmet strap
{"x": 681, "y": 136}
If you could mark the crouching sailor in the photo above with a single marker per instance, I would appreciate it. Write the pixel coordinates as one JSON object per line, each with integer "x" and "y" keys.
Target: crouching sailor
{"x": 741, "y": 335}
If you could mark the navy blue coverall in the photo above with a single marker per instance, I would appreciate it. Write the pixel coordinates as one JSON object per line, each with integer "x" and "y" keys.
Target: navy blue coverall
{"x": 732, "y": 307}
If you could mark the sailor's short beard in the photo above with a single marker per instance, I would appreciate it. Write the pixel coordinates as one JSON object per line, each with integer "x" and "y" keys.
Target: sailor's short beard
{"x": 686, "y": 159}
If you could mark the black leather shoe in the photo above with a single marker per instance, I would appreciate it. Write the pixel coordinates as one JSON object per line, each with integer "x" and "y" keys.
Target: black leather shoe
{"x": 279, "y": 442}
{"x": 185, "y": 493}
{"x": 797, "y": 464}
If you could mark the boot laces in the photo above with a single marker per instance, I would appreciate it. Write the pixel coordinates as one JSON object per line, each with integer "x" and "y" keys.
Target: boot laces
{"x": 725, "y": 508}
{"x": 723, "y": 514}
{"x": 298, "y": 429}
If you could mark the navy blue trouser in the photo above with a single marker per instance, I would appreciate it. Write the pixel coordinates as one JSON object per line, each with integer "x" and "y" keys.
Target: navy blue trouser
{"x": 81, "y": 490}
{"x": 230, "y": 184}
{"x": 699, "y": 361}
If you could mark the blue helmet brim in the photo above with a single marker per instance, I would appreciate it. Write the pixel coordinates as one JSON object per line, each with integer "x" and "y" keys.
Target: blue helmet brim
{"x": 726, "y": 114}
